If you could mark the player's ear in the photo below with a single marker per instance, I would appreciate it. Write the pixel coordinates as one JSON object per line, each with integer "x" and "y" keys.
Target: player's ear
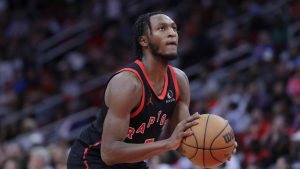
{"x": 143, "y": 41}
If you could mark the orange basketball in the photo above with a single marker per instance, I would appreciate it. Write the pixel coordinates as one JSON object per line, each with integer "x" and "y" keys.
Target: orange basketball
{"x": 212, "y": 142}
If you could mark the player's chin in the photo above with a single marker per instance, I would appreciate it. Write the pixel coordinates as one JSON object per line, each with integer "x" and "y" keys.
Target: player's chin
{"x": 171, "y": 49}
{"x": 171, "y": 55}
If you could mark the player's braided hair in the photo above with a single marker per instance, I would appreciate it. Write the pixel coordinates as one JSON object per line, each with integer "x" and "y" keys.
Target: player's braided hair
{"x": 139, "y": 29}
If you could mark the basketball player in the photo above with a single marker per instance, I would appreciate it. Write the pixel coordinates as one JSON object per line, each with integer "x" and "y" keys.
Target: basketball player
{"x": 139, "y": 100}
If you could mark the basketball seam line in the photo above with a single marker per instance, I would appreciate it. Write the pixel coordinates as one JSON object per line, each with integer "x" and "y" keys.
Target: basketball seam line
{"x": 215, "y": 140}
{"x": 207, "y": 148}
{"x": 204, "y": 140}
{"x": 195, "y": 147}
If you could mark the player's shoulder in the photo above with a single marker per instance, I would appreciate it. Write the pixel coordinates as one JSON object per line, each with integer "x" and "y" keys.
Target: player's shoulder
{"x": 126, "y": 78}
{"x": 180, "y": 74}
{"x": 123, "y": 89}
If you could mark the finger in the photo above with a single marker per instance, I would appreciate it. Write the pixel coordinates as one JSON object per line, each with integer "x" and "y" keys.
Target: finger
{"x": 189, "y": 125}
{"x": 193, "y": 117}
{"x": 234, "y": 151}
{"x": 185, "y": 133}
{"x": 189, "y": 122}
{"x": 190, "y": 118}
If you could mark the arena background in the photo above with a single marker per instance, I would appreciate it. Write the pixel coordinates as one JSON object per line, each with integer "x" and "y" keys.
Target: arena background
{"x": 242, "y": 59}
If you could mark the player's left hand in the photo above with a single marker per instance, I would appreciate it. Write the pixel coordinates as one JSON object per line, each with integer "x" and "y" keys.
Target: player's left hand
{"x": 234, "y": 150}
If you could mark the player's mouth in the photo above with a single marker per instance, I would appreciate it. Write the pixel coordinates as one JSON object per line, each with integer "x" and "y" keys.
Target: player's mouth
{"x": 172, "y": 43}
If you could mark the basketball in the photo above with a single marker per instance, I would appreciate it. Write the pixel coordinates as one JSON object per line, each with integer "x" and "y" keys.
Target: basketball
{"x": 212, "y": 142}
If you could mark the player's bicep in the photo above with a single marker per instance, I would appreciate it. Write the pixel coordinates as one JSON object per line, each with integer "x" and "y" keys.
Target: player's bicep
{"x": 182, "y": 106}
{"x": 122, "y": 95}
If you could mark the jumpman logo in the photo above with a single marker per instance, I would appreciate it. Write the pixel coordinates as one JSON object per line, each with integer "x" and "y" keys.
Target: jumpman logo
{"x": 150, "y": 100}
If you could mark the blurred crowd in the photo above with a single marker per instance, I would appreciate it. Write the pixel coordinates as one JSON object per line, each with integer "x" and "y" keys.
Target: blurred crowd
{"x": 261, "y": 101}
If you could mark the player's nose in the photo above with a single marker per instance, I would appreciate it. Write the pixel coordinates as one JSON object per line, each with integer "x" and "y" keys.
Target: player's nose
{"x": 172, "y": 32}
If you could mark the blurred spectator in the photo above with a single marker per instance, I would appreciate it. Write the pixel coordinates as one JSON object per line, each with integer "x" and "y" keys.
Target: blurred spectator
{"x": 282, "y": 163}
{"x": 8, "y": 97}
{"x": 294, "y": 85}
{"x": 14, "y": 150}
{"x": 12, "y": 163}
{"x": 39, "y": 158}
{"x": 258, "y": 127}
{"x": 58, "y": 154}
{"x": 276, "y": 142}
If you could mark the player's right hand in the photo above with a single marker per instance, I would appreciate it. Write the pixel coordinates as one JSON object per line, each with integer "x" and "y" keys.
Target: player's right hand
{"x": 182, "y": 131}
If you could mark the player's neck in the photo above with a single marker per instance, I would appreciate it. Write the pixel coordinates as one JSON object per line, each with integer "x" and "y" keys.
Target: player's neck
{"x": 156, "y": 69}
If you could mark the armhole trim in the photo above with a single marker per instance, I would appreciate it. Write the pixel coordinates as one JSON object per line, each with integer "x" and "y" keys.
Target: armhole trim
{"x": 175, "y": 82}
{"x": 142, "y": 103}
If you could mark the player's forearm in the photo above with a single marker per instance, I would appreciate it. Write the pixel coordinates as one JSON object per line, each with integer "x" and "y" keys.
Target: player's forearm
{"x": 120, "y": 152}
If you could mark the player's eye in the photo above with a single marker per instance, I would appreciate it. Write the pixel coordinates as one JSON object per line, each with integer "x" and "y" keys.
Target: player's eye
{"x": 175, "y": 28}
{"x": 162, "y": 28}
